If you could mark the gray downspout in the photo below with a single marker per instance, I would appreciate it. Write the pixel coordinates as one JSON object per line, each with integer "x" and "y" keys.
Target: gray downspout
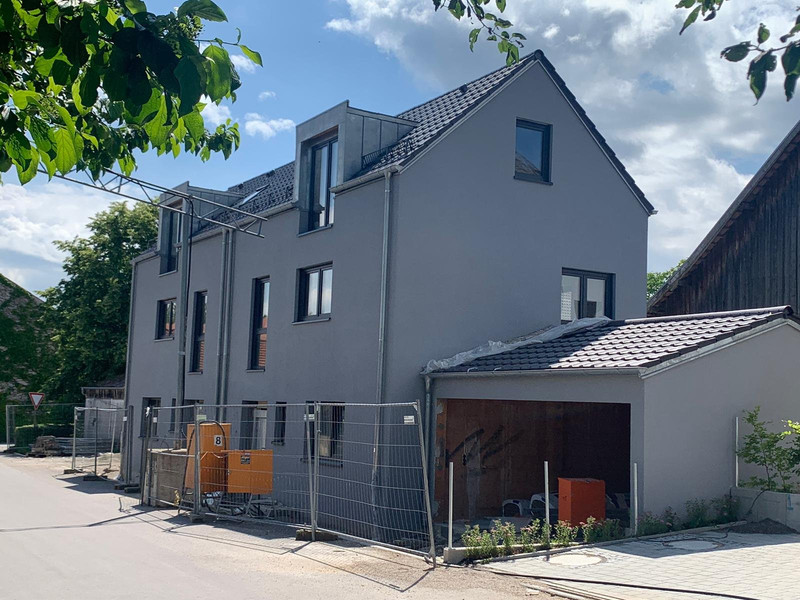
{"x": 226, "y": 350}
{"x": 125, "y": 475}
{"x": 430, "y": 409}
{"x": 387, "y": 194}
{"x": 223, "y": 280}
{"x": 183, "y": 301}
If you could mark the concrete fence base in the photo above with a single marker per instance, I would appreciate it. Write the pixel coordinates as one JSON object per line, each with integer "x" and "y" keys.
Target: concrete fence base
{"x": 755, "y": 505}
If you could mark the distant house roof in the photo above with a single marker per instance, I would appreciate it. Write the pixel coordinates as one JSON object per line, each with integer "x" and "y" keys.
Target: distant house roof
{"x": 630, "y": 344}
{"x": 738, "y": 209}
{"x": 434, "y": 118}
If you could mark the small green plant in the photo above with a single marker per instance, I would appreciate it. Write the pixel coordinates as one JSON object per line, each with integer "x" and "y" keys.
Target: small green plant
{"x": 505, "y": 535}
{"x": 601, "y": 531}
{"x": 565, "y": 534}
{"x": 650, "y": 524}
{"x": 768, "y": 450}
{"x": 670, "y": 518}
{"x": 725, "y": 508}
{"x": 697, "y": 514}
{"x": 479, "y": 544}
{"x": 532, "y": 536}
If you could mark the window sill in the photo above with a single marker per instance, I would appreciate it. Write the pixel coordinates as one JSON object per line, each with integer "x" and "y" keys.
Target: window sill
{"x": 166, "y": 339}
{"x": 275, "y": 443}
{"x": 254, "y": 371}
{"x": 519, "y": 177}
{"x": 329, "y": 462}
{"x": 194, "y": 372}
{"x": 312, "y": 320}
{"x": 165, "y": 273}
{"x": 310, "y": 231}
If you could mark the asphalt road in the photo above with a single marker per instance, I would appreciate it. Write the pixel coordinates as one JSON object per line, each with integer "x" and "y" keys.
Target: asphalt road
{"x": 62, "y": 538}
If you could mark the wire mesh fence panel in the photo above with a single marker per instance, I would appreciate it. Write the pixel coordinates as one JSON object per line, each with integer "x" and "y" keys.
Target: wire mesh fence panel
{"x": 167, "y": 473}
{"x": 24, "y": 424}
{"x": 97, "y": 440}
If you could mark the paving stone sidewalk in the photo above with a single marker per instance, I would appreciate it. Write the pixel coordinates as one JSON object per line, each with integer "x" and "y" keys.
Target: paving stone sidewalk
{"x": 727, "y": 565}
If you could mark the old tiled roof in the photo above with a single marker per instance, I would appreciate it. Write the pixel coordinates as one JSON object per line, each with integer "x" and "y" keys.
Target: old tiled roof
{"x": 635, "y": 343}
{"x": 434, "y": 118}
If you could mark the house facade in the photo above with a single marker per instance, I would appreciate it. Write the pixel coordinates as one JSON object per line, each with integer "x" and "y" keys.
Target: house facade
{"x": 492, "y": 210}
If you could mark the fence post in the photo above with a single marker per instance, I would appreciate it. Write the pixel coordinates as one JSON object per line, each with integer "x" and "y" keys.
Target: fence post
{"x": 450, "y": 508}
{"x": 736, "y": 451}
{"x": 96, "y": 423}
{"x": 113, "y": 435}
{"x": 315, "y": 521}
{"x": 424, "y": 458}
{"x": 311, "y": 509}
{"x": 143, "y": 470}
{"x": 74, "y": 435}
{"x": 635, "y": 498}
{"x": 8, "y": 426}
{"x": 547, "y": 498}
{"x": 198, "y": 490}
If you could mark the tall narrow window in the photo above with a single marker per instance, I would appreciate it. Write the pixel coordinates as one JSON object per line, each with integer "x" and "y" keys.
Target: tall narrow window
{"x": 170, "y": 238}
{"x": 279, "y": 434}
{"x": 149, "y": 405}
{"x": 199, "y": 331}
{"x": 586, "y": 294}
{"x": 330, "y": 425}
{"x": 324, "y": 169}
{"x": 532, "y": 152}
{"x": 258, "y": 342}
{"x": 316, "y": 291}
{"x": 165, "y": 319}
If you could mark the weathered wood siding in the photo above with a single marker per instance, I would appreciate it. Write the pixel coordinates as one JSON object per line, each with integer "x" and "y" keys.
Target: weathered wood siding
{"x": 755, "y": 264}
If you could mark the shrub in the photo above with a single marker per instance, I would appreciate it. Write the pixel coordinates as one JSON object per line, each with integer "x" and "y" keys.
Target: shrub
{"x": 505, "y": 535}
{"x": 649, "y": 524}
{"x": 601, "y": 531}
{"x": 670, "y": 517}
{"x": 532, "y": 536}
{"x": 697, "y": 514}
{"x": 768, "y": 449}
{"x": 565, "y": 534}
{"x": 480, "y": 544}
{"x": 726, "y": 509}
{"x": 25, "y": 435}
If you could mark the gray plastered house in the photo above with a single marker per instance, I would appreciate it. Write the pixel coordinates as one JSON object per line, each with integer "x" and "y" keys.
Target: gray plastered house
{"x": 492, "y": 210}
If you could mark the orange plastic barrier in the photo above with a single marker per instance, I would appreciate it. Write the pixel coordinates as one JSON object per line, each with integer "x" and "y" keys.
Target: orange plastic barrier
{"x": 581, "y": 498}
{"x": 249, "y": 471}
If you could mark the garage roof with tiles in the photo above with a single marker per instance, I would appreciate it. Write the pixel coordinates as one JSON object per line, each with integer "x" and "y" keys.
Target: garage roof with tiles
{"x": 634, "y": 343}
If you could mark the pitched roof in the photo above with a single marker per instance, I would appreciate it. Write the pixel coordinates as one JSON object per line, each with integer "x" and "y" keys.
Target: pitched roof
{"x": 434, "y": 118}
{"x": 736, "y": 210}
{"x": 634, "y": 343}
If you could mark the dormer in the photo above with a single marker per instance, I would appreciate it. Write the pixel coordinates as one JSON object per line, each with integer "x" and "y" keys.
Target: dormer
{"x": 332, "y": 148}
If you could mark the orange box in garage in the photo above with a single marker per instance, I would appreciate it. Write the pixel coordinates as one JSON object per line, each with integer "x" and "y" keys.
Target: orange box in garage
{"x": 249, "y": 471}
{"x": 581, "y": 498}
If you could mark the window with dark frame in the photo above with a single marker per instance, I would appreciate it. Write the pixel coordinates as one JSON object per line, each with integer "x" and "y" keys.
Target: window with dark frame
{"x": 170, "y": 238}
{"x": 532, "y": 151}
{"x": 324, "y": 167}
{"x": 331, "y": 421}
{"x": 199, "y": 331}
{"x": 586, "y": 294}
{"x": 172, "y": 416}
{"x": 315, "y": 293}
{"x": 279, "y": 433}
{"x": 148, "y": 404}
{"x": 165, "y": 320}
{"x": 260, "y": 318}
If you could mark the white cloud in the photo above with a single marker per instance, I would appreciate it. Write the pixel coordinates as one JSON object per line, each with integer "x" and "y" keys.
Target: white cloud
{"x": 242, "y": 63}
{"x": 266, "y": 94}
{"x": 216, "y": 114}
{"x": 256, "y": 124}
{"x": 679, "y": 117}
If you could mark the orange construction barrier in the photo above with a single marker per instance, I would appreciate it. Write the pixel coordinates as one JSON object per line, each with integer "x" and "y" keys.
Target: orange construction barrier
{"x": 249, "y": 471}
{"x": 214, "y": 438}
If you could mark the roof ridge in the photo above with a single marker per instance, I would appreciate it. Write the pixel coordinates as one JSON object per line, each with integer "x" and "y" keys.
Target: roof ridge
{"x": 249, "y": 179}
{"x": 785, "y": 311}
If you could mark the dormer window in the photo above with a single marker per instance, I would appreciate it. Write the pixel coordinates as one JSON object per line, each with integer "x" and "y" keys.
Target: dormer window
{"x": 170, "y": 238}
{"x": 324, "y": 169}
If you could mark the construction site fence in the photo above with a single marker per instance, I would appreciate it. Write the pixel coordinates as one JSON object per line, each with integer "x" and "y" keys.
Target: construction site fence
{"x": 24, "y": 423}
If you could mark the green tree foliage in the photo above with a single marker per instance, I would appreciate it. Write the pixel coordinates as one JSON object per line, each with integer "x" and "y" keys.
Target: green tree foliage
{"x": 656, "y": 279}
{"x": 769, "y": 450}
{"x": 83, "y": 84}
{"x": 763, "y": 58}
{"x": 88, "y": 310}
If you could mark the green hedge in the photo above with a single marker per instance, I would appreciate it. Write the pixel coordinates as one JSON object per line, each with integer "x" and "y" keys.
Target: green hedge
{"x": 24, "y": 435}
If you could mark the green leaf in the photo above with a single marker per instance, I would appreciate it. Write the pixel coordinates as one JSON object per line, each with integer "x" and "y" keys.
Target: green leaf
{"x": 685, "y": 4}
{"x": 690, "y": 19}
{"x": 192, "y": 79}
{"x": 135, "y": 6}
{"x": 763, "y": 33}
{"x": 219, "y": 72}
{"x": 88, "y": 87}
{"x": 66, "y": 154}
{"x": 473, "y": 37}
{"x": 195, "y": 125}
{"x": 501, "y": 5}
{"x": 18, "y": 148}
{"x": 205, "y": 9}
{"x": 115, "y": 85}
{"x": 41, "y": 134}
{"x": 251, "y": 54}
{"x": 757, "y": 73}
{"x": 788, "y": 86}
{"x": 155, "y": 127}
{"x": 737, "y": 52}
{"x": 457, "y": 8}
{"x": 49, "y": 164}
{"x": 22, "y": 97}
{"x": 791, "y": 60}
{"x": 28, "y": 171}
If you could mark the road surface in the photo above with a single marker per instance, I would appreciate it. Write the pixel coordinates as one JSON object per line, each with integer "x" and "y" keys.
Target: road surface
{"x": 62, "y": 538}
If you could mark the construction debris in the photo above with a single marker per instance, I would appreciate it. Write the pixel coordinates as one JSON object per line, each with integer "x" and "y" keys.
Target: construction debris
{"x": 45, "y": 445}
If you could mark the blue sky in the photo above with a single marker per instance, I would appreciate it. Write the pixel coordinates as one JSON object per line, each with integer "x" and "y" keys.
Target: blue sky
{"x": 682, "y": 120}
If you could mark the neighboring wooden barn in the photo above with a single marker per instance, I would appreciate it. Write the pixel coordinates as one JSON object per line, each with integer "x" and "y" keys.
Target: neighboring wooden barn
{"x": 749, "y": 259}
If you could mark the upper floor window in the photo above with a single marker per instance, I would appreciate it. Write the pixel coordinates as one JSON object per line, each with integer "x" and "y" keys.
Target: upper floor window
{"x": 532, "y": 152}
{"x": 324, "y": 168}
{"x": 316, "y": 289}
{"x": 586, "y": 294}
{"x": 258, "y": 336}
{"x": 170, "y": 238}
{"x": 199, "y": 331}
{"x": 165, "y": 319}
